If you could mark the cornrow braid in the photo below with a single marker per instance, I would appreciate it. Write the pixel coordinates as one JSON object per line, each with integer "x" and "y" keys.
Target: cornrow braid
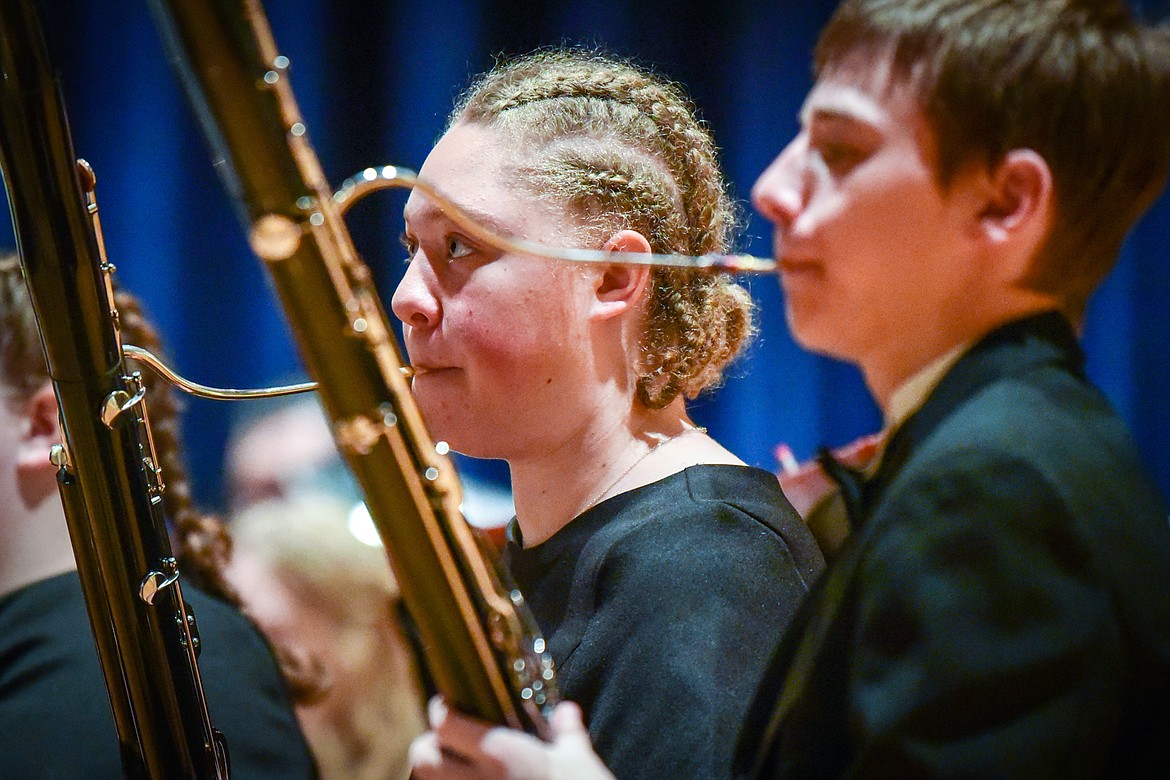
{"x": 203, "y": 544}
{"x": 623, "y": 149}
{"x": 679, "y": 140}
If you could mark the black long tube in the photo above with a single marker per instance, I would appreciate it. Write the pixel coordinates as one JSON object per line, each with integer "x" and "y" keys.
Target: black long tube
{"x": 112, "y": 508}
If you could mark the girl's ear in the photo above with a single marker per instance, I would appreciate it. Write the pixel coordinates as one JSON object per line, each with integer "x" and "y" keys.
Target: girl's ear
{"x": 620, "y": 286}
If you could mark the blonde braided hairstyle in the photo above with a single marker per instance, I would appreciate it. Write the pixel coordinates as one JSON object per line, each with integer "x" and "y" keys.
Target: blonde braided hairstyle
{"x": 622, "y": 149}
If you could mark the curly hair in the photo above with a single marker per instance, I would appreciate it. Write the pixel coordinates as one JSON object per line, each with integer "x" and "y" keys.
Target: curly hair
{"x": 202, "y": 541}
{"x": 624, "y": 149}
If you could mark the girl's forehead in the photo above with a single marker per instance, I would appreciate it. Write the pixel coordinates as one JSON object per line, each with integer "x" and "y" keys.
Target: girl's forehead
{"x": 470, "y": 167}
{"x": 473, "y": 153}
{"x": 476, "y": 167}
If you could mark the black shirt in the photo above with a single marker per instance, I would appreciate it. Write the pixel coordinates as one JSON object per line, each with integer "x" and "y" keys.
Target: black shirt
{"x": 661, "y": 607}
{"x": 55, "y": 716}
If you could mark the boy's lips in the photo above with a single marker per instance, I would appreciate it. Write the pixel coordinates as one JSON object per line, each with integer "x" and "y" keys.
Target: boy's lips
{"x": 797, "y": 265}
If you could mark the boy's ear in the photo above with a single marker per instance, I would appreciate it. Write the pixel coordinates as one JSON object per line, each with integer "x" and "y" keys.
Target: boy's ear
{"x": 620, "y": 287}
{"x": 1019, "y": 200}
{"x": 41, "y": 430}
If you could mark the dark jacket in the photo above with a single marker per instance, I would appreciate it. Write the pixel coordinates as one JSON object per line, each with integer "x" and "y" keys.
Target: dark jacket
{"x": 1004, "y": 608}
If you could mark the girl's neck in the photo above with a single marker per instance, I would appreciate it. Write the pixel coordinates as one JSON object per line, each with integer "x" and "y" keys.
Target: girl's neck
{"x": 551, "y": 490}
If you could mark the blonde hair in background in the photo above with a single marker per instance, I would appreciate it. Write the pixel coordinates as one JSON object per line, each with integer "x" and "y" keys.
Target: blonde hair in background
{"x": 329, "y": 605}
{"x": 623, "y": 149}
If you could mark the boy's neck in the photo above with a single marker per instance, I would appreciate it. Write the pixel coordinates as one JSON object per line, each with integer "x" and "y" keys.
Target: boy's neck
{"x": 34, "y": 545}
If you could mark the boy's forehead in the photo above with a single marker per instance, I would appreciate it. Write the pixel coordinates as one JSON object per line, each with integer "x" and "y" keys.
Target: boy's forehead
{"x": 859, "y": 89}
{"x": 865, "y": 92}
{"x": 845, "y": 100}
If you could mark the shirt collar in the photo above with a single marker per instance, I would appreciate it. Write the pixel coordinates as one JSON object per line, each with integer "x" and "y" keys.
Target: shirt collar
{"x": 914, "y": 391}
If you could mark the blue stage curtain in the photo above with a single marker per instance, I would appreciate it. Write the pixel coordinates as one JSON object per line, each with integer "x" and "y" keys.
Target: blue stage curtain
{"x": 375, "y": 81}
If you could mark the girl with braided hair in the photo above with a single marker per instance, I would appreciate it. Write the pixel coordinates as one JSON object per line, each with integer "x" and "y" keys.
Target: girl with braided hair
{"x": 660, "y": 568}
{"x": 55, "y": 717}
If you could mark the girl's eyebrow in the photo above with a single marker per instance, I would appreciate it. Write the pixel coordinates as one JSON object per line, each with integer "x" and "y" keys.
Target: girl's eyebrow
{"x": 428, "y": 211}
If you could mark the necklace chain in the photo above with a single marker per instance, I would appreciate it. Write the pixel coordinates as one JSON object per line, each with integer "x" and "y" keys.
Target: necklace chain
{"x": 597, "y": 499}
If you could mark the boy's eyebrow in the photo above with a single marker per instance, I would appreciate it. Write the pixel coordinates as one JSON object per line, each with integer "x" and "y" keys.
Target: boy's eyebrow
{"x": 839, "y": 105}
{"x": 839, "y": 114}
{"x": 834, "y": 113}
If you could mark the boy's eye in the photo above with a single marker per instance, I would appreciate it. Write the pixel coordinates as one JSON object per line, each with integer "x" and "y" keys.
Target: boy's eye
{"x": 838, "y": 157}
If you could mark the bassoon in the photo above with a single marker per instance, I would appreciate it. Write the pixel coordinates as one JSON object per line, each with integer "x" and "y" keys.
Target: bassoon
{"x": 144, "y": 631}
{"x": 480, "y": 644}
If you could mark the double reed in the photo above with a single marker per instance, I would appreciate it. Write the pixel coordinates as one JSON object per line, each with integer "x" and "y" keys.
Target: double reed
{"x": 111, "y": 489}
{"x": 479, "y": 641}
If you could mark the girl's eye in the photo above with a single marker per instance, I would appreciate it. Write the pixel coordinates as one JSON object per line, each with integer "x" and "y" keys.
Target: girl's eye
{"x": 410, "y": 244}
{"x": 457, "y": 248}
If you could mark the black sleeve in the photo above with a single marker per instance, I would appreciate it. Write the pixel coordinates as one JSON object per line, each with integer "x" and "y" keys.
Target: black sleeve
{"x": 55, "y": 715}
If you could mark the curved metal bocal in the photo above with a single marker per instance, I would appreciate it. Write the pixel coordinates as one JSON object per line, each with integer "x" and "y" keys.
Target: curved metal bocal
{"x": 155, "y": 363}
{"x": 206, "y": 391}
{"x": 371, "y": 180}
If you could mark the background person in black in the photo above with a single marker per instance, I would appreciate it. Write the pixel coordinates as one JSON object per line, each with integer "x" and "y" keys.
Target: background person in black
{"x": 965, "y": 175}
{"x": 55, "y": 717}
{"x": 657, "y": 564}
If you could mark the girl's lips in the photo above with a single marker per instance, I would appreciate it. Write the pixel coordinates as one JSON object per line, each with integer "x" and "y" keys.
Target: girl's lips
{"x": 423, "y": 368}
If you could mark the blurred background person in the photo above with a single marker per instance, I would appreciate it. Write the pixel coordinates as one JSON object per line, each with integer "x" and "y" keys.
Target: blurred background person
{"x": 281, "y": 448}
{"x": 55, "y": 715}
{"x": 312, "y": 573}
{"x": 329, "y": 604}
